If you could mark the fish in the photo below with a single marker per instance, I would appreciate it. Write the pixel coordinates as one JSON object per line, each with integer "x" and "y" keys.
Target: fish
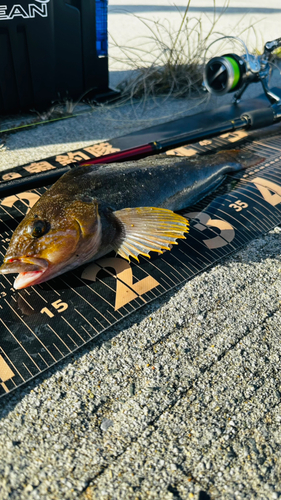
{"x": 126, "y": 207}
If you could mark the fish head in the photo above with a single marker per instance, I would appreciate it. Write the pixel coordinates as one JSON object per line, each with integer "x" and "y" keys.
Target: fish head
{"x": 53, "y": 238}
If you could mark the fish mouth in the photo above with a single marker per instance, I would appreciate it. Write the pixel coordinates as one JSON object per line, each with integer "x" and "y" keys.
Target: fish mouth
{"x": 30, "y": 270}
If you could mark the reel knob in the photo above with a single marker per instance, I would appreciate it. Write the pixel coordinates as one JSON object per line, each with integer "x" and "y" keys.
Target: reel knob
{"x": 224, "y": 74}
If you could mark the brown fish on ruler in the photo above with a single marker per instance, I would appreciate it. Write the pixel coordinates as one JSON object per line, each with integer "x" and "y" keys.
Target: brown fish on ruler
{"x": 126, "y": 207}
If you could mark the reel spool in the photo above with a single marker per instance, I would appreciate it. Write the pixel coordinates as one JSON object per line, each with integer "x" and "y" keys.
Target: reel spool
{"x": 224, "y": 74}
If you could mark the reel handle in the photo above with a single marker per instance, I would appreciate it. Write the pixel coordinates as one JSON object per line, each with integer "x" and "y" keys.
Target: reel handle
{"x": 271, "y": 46}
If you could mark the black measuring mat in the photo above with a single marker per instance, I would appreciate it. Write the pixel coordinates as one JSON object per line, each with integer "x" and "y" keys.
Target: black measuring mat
{"x": 43, "y": 324}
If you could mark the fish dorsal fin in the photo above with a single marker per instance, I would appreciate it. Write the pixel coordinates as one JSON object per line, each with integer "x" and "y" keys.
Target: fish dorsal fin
{"x": 148, "y": 229}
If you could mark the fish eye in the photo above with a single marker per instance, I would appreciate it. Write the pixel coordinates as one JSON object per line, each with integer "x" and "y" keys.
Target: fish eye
{"x": 39, "y": 228}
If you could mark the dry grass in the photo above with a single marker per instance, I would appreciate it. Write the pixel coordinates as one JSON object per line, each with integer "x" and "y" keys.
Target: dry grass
{"x": 169, "y": 61}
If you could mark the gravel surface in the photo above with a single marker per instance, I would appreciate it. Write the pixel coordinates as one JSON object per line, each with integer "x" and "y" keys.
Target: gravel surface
{"x": 96, "y": 125}
{"x": 181, "y": 400}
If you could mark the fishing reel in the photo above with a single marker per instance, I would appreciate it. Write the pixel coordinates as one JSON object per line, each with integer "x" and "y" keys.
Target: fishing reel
{"x": 233, "y": 73}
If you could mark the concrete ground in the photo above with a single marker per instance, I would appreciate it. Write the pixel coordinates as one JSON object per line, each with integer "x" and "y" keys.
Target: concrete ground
{"x": 181, "y": 400}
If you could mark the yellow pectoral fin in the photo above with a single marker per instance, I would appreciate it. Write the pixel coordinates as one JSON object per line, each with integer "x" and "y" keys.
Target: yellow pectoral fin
{"x": 149, "y": 229}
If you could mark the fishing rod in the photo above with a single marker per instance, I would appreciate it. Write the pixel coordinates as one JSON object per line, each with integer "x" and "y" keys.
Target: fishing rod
{"x": 250, "y": 120}
{"x": 222, "y": 74}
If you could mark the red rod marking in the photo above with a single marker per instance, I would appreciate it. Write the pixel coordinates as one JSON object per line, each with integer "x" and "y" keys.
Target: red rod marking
{"x": 127, "y": 154}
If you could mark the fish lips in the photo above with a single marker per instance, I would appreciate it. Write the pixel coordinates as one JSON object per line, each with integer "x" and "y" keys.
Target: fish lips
{"x": 30, "y": 270}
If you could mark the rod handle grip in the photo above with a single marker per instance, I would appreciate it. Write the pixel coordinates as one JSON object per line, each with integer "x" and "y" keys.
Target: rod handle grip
{"x": 259, "y": 118}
